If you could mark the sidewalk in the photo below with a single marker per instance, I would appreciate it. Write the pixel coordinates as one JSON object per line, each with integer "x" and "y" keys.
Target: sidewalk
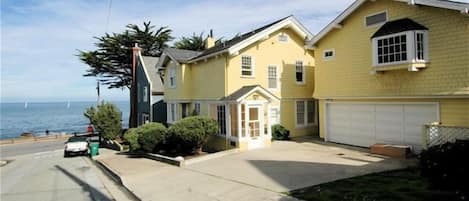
{"x": 152, "y": 180}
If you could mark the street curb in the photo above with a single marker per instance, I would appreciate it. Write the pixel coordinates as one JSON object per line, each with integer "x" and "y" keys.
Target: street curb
{"x": 114, "y": 176}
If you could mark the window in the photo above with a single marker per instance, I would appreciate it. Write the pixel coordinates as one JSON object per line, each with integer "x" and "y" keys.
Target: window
{"x": 197, "y": 108}
{"x": 404, "y": 47}
{"x": 145, "y": 118}
{"x": 283, "y": 38}
{"x": 274, "y": 116}
{"x": 145, "y": 94}
{"x": 221, "y": 119}
{"x": 300, "y": 72}
{"x": 172, "y": 112}
{"x": 328, "y": 54}
{"x": 246, "y": 66}
{"x": 272, "y": 77}
{"x": 300, "y": 112}
{"x": 185, "y": 110}
{"x": 172, "y": 77}
{"x": 305, "y": 112}
{"x": 311, "y": 112}
{"x": 376, "y": 19}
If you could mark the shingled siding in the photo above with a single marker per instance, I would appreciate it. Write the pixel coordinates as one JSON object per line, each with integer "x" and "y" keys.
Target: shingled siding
{"x": 143, "y": 106}
{"x": 348, "y": 73}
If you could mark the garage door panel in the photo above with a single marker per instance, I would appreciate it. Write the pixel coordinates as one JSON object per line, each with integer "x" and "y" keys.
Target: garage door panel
{"x": 389, "y": 123}
{"x": 367, "y": 124}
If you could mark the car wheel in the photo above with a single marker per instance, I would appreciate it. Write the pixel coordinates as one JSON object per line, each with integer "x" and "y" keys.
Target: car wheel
{"x": 66, "y": 154}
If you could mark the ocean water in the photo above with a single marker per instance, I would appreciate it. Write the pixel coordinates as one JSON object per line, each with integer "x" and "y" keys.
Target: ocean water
{"x": 56, "y": 117}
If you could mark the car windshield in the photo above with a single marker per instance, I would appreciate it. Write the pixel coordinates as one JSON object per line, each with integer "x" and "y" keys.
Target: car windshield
{"x": 77, "y": 139}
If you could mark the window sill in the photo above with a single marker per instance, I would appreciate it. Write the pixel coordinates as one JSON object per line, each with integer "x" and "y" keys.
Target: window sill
{"x": 300, "y": 83}
{"x": 248, "y": 77}
{"x": 410, "y": 66}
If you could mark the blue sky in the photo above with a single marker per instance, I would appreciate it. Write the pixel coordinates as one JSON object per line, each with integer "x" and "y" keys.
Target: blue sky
{"x": 39, "y": 39}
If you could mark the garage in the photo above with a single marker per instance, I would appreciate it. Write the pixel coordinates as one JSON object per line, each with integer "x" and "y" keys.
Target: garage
{"x": 365, "y": 124}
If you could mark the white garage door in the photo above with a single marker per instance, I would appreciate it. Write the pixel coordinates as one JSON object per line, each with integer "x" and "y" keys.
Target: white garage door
{"x": 367, "y": 124}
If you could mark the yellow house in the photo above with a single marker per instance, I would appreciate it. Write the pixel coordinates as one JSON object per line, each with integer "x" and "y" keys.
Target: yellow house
{"x": 255, "y": 80}
{"x": 384, "y": 68}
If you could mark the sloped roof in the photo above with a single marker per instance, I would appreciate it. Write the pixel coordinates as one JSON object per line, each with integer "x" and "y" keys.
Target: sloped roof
{"x": 235, "y": 40}
{"x": 460, "y": 6}
{"x": 397, "y": 26}
{"x": 245, "y": 90}
{"x": 181, "y": 55}
{"x": 149, "y": 63}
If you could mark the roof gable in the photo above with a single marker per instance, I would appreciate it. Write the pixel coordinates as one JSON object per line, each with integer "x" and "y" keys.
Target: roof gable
{"x": 451, "y": 5}
{"x": 398, "y": 26}
{"x": 149, "y": 67}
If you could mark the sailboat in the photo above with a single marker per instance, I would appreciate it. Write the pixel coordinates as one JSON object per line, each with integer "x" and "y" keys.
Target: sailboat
{"x": 25, "y": 104}
{"x": 68, "y": 105}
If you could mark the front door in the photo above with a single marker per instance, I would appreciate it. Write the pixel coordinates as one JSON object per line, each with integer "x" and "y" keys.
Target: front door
{"x": 255, "y": 130}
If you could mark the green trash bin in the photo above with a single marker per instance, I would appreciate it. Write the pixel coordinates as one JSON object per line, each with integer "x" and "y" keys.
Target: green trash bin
{"x": 94, "y": 149}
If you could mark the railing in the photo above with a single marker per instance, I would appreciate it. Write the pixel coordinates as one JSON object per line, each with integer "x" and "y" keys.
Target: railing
{"x": 440, "y": 134}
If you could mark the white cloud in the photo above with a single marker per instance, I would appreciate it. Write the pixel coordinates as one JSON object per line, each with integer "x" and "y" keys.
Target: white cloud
{"x": 40, "y": 38}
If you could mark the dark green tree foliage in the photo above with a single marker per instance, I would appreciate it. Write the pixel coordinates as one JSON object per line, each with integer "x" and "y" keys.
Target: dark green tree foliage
{"x": 131, "y": 136}
{"x": 280, "y": 133}
{"x": 194, "y": 42}
{"x": 192, "y": 132}
{"x": 151, "y": 135}
{"x": 111, "y": 62}
{"x": 106, "y": 119}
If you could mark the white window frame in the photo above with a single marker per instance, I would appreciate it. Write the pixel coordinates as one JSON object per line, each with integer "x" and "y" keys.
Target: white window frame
{"x": 172, "y": 74}
{"x": 303, "y": 72}
{"x": 278, "y": 114}
{"x": 305, "y": 113}
{"x": 145, "y": 94}
{"x": 328, "y": 58}
{"x": 411, "y": 49}
{"x": 315, "y": 118}
{"x": 285, "y": 36}
{"x": 145, "y": 118}
{"x": 172, "y": 112}
{"x": 377, "y": 24}
{"x": 252, "y": 67}
{"x": 276, "y": 77}
{"x": 222, "y": 114}
{"x": 197, "y": 108}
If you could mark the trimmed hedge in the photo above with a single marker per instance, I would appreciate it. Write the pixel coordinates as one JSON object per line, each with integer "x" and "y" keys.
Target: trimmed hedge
{"x": 190, "y": 133}
{"x": 447, "y": 166}
{"x": 151, "y": 135}
{"x": 280, "y": 133}
{"x": 131, "y": 136}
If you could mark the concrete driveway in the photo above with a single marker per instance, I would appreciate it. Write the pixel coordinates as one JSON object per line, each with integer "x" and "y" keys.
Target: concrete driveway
{"x": 296, "y": 164}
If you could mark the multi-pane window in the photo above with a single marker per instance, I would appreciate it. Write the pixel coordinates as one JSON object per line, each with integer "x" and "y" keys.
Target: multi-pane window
{"x": 305, "y": 112}
{"x": 246, "y": 66}
{"x": 392, "y": 49}
{"x": 197, "y": 108}
{"x": 172, "y": 112}
{"x": 274, "y": 116}
{"x": 172, "y": 77}
{"x": 221, "y": 119}
{"x": 408, "y": 46}
{"x": 311, "y": 112}
{"x": 419, "y": 49}
{"x": 272, "y": 76}
{"x": 328, "y": 54}
{"x": 299, "y": 72}
{"x": 300, "y": 112}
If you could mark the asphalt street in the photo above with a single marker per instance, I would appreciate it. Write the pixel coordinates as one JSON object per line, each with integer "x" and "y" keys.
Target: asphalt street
{"x": 7, "y": 151}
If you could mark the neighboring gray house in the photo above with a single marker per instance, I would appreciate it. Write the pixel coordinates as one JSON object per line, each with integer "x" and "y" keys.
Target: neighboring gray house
{"x": 149, "y": 85}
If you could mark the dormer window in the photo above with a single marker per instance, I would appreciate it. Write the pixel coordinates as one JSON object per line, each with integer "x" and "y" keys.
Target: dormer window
{"x": 400, "y": 41}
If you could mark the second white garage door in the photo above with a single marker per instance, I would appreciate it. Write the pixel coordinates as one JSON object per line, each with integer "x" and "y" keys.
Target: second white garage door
{"x": 370, "y": 123}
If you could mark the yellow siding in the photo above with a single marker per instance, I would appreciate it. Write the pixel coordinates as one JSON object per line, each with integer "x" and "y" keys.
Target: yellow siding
{"x": 348, "y": 74}
{"x": 287, "y": 116}
{"x": 182, "y": 89}
{"x": 208, "y": 80}
{"x": 452, "y": 111}
{"x": 281, "y": 54}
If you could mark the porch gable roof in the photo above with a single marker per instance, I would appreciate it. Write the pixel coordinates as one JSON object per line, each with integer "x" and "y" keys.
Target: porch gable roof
{"x": 245, "y": 91}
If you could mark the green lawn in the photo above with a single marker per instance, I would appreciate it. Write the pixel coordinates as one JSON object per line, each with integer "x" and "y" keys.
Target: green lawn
{"x": 400, "y": 185}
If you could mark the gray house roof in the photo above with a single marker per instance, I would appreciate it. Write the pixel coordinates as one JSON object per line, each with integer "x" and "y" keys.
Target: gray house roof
{"x": 155, "y": 78}
{"x": 181, "y": 55}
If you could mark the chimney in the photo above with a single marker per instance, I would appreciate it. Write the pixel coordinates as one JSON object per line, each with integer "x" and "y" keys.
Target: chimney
{"x": 133, "y": 88}
{"x": 210, "y": 42}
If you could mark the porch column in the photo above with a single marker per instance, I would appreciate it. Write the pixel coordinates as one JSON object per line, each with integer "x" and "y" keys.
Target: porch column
{"x": 228, "y": 120}
{"x": 240, "y": 132}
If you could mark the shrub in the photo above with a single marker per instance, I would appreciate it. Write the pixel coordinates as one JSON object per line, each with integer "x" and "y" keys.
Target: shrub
{"x": 446, "y": 166}
{"x": 131, "y": 136}
{"x": 151, "y": 135}
{"x": 280, "y": 133}
{"x": 192, "y": 132}
{"x": 106, "y": 119}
